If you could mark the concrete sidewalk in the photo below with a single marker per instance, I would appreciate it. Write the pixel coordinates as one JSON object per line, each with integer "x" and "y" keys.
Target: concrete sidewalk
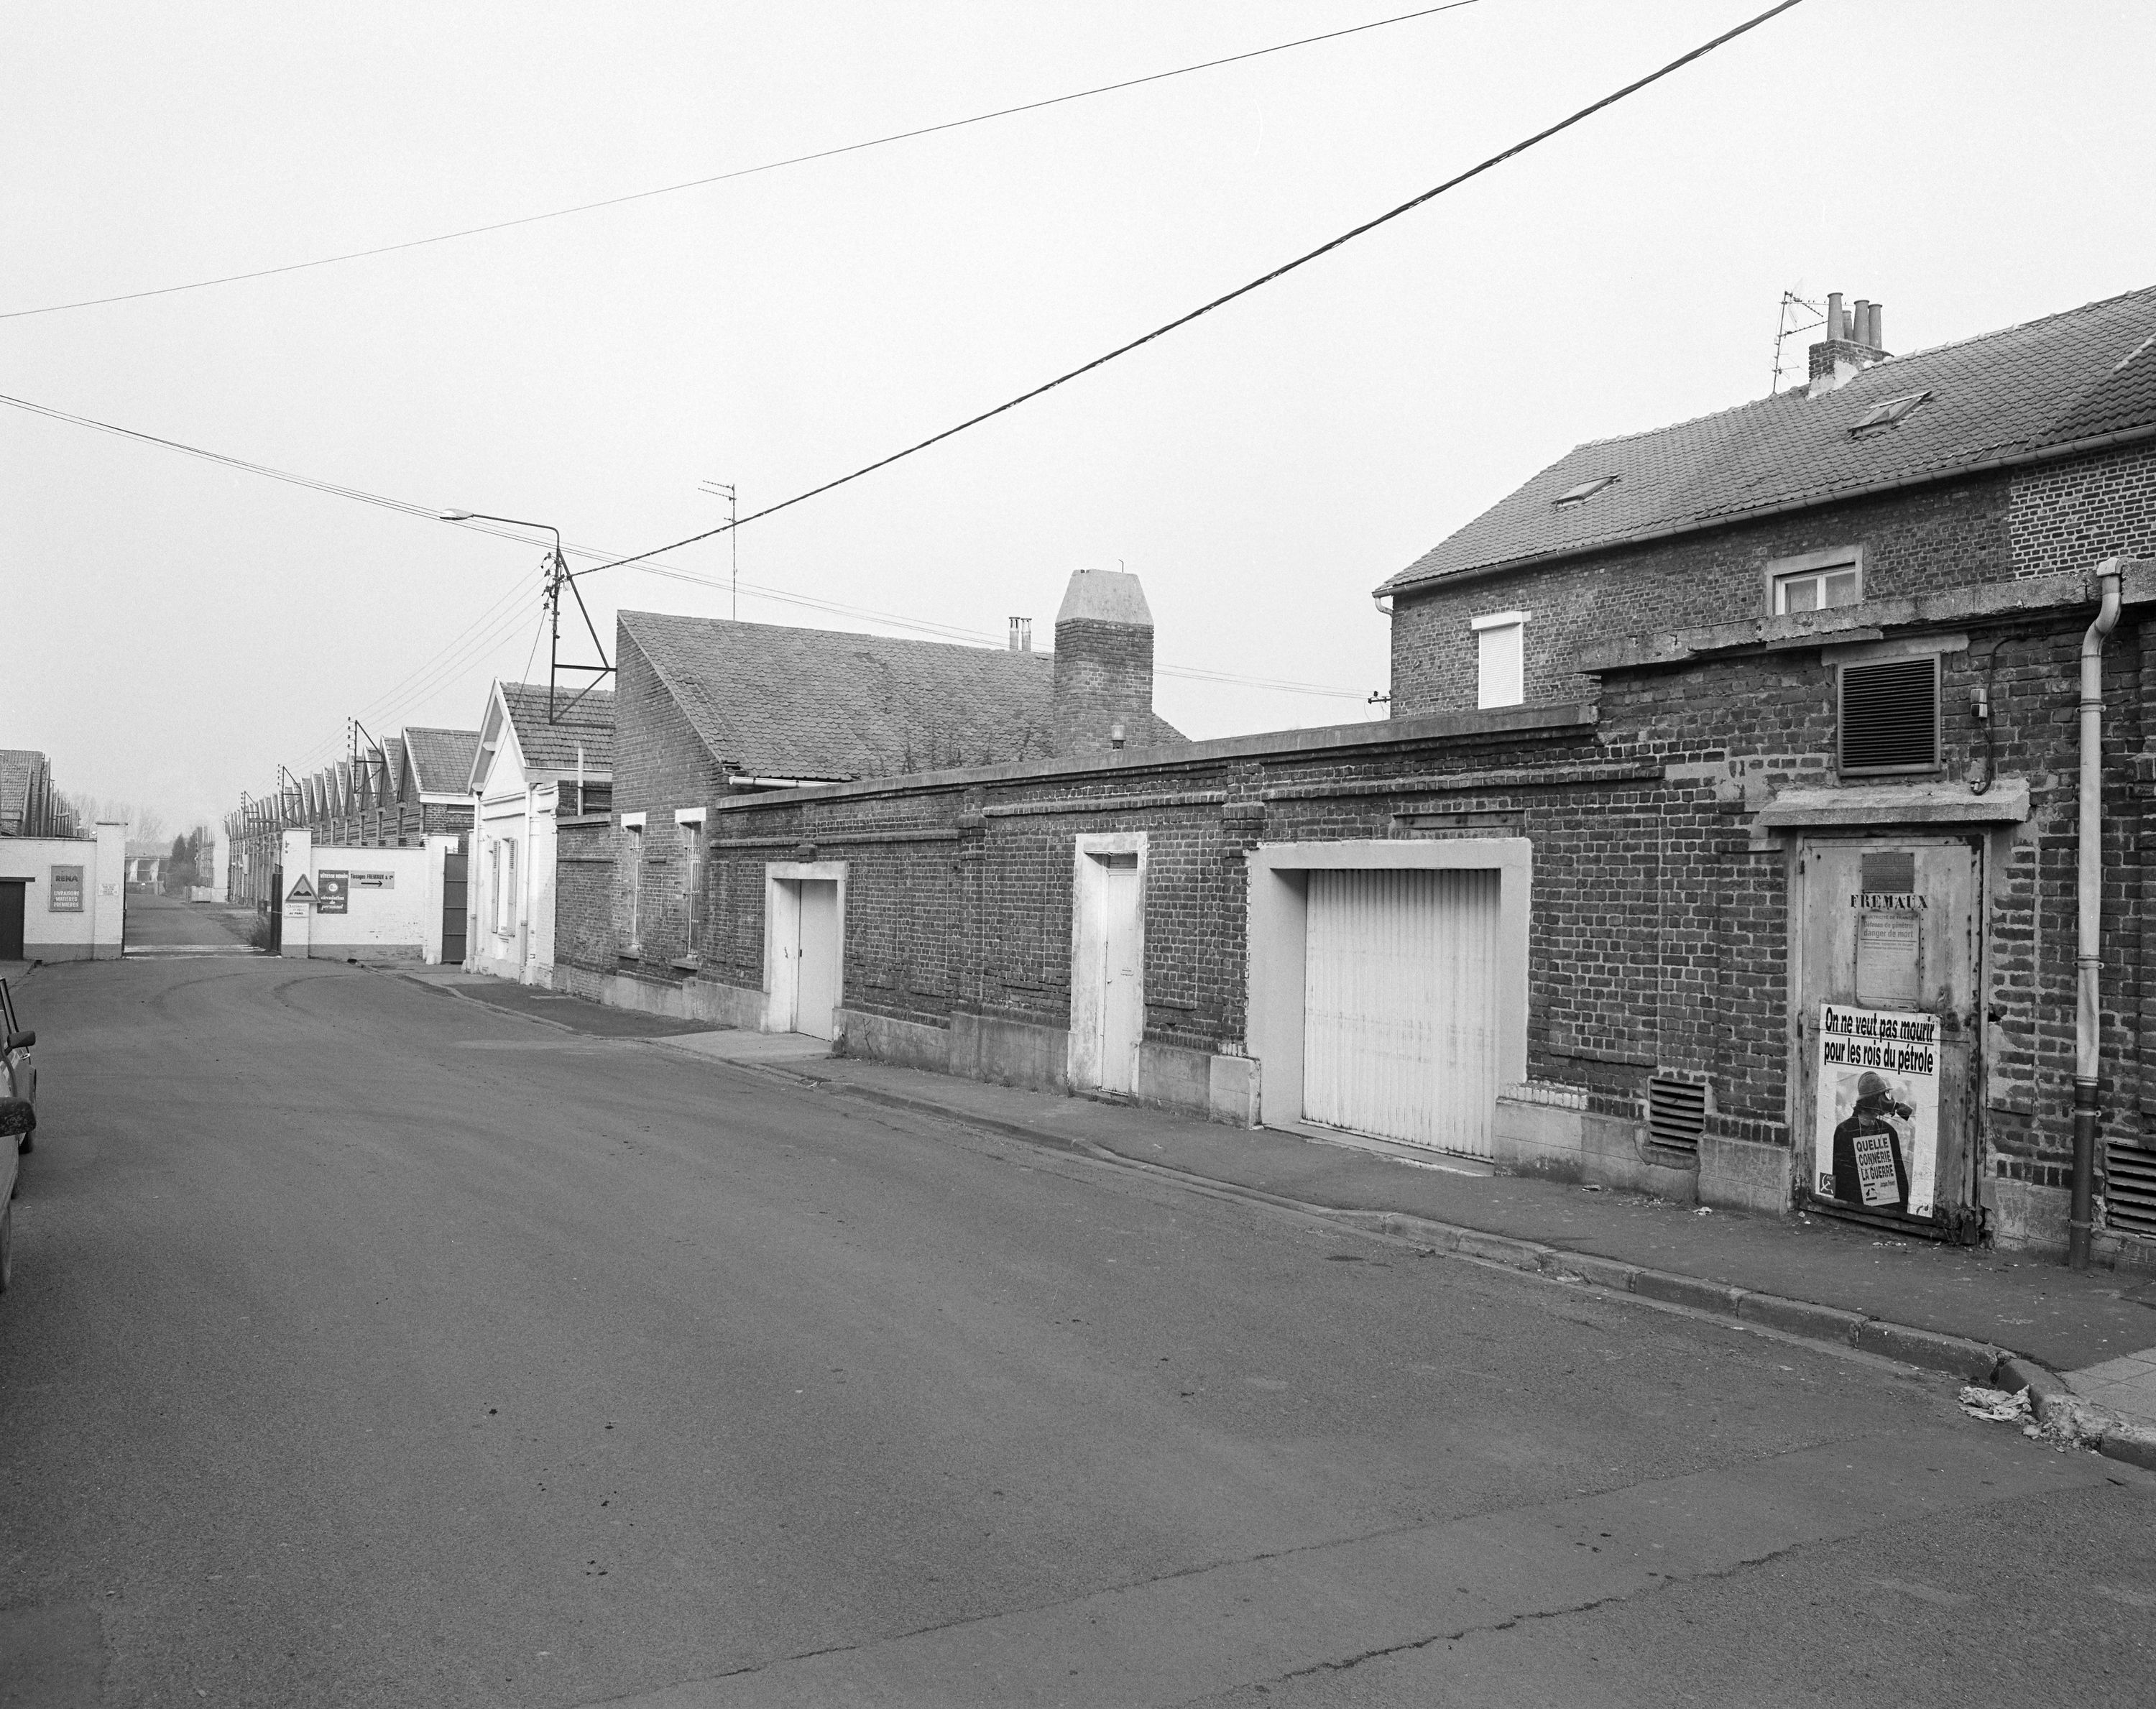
{"x": 2024, "y": 1306}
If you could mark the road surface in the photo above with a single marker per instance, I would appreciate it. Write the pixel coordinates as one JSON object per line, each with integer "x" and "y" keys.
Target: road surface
{"x": 164, "y": 922}
{"x": 372, "y": 1346}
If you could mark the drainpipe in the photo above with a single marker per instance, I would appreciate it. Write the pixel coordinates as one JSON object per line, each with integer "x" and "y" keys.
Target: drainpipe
{"x": 2088, "y": 1043}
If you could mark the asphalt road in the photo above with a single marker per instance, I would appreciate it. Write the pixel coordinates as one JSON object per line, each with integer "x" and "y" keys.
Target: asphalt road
{"x": 160, "y": 921}
{"x": 372, "y": 1346}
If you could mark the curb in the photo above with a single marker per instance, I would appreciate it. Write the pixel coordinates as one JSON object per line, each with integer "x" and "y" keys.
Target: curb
{"x": 1931, "y": 1350}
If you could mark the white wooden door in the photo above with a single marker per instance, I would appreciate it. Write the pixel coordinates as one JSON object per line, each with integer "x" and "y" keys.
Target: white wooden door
{"x": 816, "y": 979}
{"x": 1400, "y": 1005}
{"x": 1123, "y": 981}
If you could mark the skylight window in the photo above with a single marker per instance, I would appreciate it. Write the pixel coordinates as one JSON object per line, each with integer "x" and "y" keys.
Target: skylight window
{"x": 1585, "y": 491}
{"x": 1890, "y": 413}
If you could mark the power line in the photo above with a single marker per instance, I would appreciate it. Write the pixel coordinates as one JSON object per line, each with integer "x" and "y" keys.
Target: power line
{"x": 723, "y": 178}
{"x": 505, "y": 615}
{"x": 1242, "y": 291}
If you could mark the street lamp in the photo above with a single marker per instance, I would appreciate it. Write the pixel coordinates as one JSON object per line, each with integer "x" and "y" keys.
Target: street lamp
{"x": 558, "y": 577}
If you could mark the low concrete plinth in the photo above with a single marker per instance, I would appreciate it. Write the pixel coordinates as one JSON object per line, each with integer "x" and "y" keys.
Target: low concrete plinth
{"x": 1551, "y": 1133}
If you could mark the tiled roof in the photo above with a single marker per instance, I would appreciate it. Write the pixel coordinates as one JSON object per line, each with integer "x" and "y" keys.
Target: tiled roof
{"x": 441, "y": 760}
{"x": 1998, "y": 399}
{"x": 771, "y": 701}
{"x": 552, "y": 747}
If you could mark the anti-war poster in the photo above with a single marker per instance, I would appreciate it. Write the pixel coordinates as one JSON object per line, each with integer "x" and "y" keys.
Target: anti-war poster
{"x": 1875, "y": 1140}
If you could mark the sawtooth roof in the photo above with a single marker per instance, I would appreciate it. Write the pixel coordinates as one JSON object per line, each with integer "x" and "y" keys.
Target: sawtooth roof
{"x": 441, "y": 760}
{"x": 19, "y": 768}
{"x": 552, "y": 747}
{"x": 2005, "y": 397}
{"x": 771, "y": 701}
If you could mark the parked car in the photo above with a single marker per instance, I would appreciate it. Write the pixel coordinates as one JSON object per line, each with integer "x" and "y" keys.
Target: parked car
{"x": 18, "y": 1119}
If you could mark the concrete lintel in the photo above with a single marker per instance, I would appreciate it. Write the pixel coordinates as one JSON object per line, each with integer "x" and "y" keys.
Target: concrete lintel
{"x": 1870, "y": 620}
{"x": 2007, "y": 802}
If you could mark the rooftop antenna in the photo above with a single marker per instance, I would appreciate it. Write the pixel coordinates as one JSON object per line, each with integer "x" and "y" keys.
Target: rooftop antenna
{"x": 1794, "y": 307}
{"x": 720, "y": 490}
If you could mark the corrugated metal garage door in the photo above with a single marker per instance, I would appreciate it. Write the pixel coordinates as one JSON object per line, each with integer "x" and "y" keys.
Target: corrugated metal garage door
{"x": 1399, "y": 1005}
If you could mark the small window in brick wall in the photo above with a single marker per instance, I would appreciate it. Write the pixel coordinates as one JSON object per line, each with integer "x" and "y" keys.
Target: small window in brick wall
{"x": 1890, "y": 717}
{"x": 692, "y": 883}
{"x": 1677, "y": 1112}
{"x": 1501, "y": 659}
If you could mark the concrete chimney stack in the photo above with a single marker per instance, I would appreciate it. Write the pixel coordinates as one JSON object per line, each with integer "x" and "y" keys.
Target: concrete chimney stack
{"x": 1852, "y": 343}
{"x": 1021, "y": 635}
{"x": 1103, "y": 662}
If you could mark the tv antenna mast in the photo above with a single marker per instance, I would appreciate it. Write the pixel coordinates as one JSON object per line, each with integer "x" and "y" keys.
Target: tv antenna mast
{"x": 720, "y": 490}
{"x": 1791, "y": 322}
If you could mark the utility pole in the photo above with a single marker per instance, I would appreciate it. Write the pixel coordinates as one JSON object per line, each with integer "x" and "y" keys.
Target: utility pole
{"x": 719, "y": 489}
{"x": 558, "y": 576}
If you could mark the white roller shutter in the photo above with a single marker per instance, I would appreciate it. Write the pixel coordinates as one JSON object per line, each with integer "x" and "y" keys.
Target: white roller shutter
{"x": 1399, "y": 1005}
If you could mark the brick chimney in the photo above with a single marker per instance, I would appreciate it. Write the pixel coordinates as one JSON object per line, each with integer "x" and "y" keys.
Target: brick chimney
{"x": 1851, "y": 344}
{"x": 1103, "y": 691}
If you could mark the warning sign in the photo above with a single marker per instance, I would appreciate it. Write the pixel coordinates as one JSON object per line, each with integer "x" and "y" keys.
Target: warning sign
{"x": 302, "y": 891}
{"x": 333, "y": 893}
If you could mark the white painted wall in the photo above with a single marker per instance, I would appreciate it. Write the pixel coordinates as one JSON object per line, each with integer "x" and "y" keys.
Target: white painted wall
{"x": 93, "y": 932}
{"x": 390, "y": 920}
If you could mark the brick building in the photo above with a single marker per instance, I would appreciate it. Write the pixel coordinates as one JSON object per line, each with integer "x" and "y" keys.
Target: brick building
{"x": 708, "y": 712}
{"x": 1726, "y": 838}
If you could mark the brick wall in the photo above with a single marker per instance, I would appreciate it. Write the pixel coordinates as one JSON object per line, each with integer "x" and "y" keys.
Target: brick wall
{"x": 659, "y": 764}
{"x": 1103, "y": 677}
{"x": 1950, "y": 535}
{"x": 2003, "y": 525}
{"x": 2065, "y": 516}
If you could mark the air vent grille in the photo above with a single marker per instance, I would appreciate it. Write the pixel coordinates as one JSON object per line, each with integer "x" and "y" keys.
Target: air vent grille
{"x": 2129, "y": 1200}
{"x": 1890, "y": 716}
{"x": 1676, "y": 1113}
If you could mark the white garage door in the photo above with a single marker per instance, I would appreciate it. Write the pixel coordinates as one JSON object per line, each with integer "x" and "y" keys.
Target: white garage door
{"x": 1399, "y": 1005}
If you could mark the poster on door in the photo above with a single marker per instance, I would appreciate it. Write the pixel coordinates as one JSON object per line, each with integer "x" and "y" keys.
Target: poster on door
{"x": 1875, "y": 1139}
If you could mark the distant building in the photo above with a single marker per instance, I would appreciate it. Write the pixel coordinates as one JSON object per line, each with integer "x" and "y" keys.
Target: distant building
{"x": 541, "y": 755}
{"x": 30, "y": 805}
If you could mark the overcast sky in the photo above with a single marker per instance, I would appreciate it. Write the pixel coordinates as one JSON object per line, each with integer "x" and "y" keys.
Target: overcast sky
{"x": 177, "y": 629}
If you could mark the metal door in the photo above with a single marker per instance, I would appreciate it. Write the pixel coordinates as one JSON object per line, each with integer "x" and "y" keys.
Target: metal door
{"x": 456, "y": 897}
{"x": 1400, "y": 1005}
{"x": 1123, "y": 981}
{"x": 1883, "y": 1110}
{"x": 12, "y": 893}
{"x": 816, "y": 979}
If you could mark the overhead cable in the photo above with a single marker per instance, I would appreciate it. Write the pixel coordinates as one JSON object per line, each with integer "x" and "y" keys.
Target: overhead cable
{"x": 459, "y": 650}
{"x": 1219, "y": 302}
{"x": 772, "y": 165}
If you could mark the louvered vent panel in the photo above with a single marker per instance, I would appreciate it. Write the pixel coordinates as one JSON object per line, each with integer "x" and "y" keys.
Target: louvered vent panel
{"x": 1890, "y": 716}
{"x": 2129, "y": 1201}
{"x": 1676, "y": 1113}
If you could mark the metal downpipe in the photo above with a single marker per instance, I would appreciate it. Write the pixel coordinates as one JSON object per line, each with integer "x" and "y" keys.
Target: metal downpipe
{"x": 2089, "y": 851}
